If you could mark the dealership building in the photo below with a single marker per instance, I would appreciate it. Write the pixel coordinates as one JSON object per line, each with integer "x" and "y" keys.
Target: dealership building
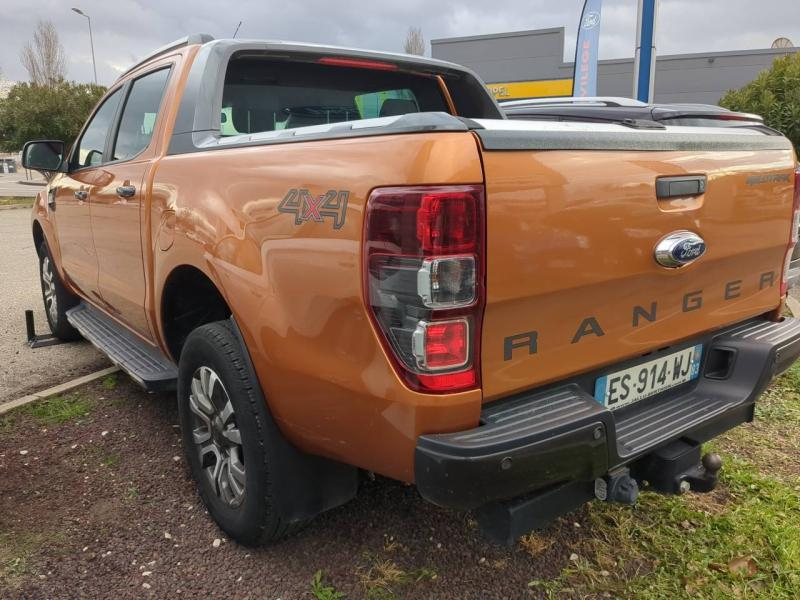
{"x": 529, "y": 64}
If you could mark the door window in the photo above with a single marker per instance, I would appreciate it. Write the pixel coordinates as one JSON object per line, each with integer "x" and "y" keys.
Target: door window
{"x": 89, "y": 151}
{"x": 139, "y": 115}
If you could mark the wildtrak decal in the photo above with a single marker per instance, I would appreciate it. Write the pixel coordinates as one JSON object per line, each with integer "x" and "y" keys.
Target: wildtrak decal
{"x": 528, "y": 342}
{"x": 307, "y": 207}
{"x": 763, "y": 179}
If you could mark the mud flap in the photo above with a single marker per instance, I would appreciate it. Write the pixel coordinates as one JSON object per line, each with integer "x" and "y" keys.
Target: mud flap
{"x": 312, "y": 484}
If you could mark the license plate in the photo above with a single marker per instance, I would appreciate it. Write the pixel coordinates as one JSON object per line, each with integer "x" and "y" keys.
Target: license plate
{"x": 648, "y": 379}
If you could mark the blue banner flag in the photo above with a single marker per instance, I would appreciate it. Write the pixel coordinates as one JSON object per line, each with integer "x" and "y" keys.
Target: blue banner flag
{"x": 584, "y": 81}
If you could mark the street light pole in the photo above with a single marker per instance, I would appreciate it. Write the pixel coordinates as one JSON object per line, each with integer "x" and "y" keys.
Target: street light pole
{"x": 91, "y": 39}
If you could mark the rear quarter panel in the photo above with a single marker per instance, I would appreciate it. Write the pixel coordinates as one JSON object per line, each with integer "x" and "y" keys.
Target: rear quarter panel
{"x": 296, "y": 289}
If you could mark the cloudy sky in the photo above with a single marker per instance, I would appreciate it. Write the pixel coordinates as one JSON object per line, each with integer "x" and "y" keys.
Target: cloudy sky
{"x": 125, "y": 30}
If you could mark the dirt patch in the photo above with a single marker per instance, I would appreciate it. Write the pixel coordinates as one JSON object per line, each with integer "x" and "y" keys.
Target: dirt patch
{"x": 102, "y": 506}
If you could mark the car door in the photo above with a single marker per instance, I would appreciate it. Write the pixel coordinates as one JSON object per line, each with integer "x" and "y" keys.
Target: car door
{"x": 117, "y": 208}
{"x": 72, "y": 197}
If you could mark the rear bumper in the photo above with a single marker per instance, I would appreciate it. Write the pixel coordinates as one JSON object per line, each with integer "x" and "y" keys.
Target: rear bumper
{"x": 561, "y": 434}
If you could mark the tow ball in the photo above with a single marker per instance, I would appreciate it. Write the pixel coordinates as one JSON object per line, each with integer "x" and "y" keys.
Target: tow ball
{"x": 678, "y": 468}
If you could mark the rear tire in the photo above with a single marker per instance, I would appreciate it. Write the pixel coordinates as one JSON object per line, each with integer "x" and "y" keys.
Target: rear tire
{"x": 224, "y": 428}
{"x": 57, "y": 300}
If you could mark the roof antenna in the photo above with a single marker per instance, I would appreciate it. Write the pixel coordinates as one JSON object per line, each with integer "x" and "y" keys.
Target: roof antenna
{"x": 237, "y": 29}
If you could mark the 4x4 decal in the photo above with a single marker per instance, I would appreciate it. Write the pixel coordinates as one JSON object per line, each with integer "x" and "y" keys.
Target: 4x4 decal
{"x": 306, "y": 207}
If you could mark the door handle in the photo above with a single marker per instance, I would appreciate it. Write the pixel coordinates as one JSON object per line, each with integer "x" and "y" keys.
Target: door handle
{"x": 81, "y": 195}
{"x": 126, "y": 191}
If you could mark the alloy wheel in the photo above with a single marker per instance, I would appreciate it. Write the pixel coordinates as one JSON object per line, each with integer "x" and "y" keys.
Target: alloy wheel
{"x": 216, "y": 435}
{"x": 49, "y": 289}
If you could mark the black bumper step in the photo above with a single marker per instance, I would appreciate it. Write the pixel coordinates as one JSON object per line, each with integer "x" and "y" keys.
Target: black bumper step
{"x": 562, "y": 434}
{"x": 146, "y": 364}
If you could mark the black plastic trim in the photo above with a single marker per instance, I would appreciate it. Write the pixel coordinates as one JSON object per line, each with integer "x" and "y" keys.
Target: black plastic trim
{"x": 627, "y": 140}
{"x": 681, "y": 185}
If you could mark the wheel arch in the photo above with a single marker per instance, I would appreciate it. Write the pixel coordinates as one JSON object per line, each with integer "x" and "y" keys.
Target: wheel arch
{"x": 190, "y": 298}
{"x": 38, "y": 236}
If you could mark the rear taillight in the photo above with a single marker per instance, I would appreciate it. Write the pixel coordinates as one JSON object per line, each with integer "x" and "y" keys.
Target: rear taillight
{"x": 791, "y": 267}
{"x": 423, "y": 269}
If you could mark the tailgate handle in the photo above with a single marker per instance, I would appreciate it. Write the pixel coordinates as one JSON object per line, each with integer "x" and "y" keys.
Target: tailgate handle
{"x": 683, "y": 185}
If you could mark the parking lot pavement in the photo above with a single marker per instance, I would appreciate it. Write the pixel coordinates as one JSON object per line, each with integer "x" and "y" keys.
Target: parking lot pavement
{"x": 25, "y": 370}
{"x": 10, "y": 184}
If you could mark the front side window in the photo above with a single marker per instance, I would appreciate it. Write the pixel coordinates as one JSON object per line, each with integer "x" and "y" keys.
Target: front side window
{"x": 89, "y": 151}
{"x": 267, "y": 95}
{"x": 139, "y": 115}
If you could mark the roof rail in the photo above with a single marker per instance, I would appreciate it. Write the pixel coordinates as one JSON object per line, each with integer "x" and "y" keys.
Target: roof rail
{"x": 194, "y": 38}
{"x": 574, "y": 100}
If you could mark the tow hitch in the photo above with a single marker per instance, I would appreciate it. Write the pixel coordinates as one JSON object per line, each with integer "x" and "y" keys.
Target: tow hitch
{"x": 678, "y": 468}
{"x": 674, "y": 469}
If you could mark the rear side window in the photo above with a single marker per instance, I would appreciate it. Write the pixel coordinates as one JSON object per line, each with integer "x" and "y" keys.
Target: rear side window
{"x": 139, "y": 115}
{"x": 268, "y": 95}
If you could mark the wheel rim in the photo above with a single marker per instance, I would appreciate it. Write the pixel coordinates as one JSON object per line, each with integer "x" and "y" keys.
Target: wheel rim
{"x": 216, "y": 436}
{"x": 49, "y": 289}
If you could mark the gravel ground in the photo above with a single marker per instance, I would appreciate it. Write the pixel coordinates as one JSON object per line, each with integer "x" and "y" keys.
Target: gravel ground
{"x": 24, "y": 370}
{"x": 102, "y": 506}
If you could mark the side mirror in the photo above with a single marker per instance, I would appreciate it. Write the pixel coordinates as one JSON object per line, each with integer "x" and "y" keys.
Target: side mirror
{"x": 43, "y": 155}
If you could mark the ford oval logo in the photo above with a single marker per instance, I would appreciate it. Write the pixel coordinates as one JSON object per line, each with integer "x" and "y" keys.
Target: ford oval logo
{"x": 679, "y": 249}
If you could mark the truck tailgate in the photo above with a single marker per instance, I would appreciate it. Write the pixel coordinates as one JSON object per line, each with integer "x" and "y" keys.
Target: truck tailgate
{"x": 573, "y": 219}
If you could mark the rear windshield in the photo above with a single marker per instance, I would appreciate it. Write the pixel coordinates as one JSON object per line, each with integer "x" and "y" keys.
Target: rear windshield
{"x": 267, "y": 95}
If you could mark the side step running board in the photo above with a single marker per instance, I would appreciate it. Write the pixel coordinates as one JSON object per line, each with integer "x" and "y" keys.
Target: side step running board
{"x": 146, "y": 365}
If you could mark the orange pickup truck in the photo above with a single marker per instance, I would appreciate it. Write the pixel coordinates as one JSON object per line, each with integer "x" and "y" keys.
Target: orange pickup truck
{"x": 349, "y": 261}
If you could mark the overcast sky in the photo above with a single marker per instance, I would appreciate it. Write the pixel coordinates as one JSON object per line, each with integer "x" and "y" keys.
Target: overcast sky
{"x": 126, "y": 30}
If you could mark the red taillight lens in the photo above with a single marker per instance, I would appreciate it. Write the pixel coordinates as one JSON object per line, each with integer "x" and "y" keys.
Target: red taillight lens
{"x": 791, "y": 267}
{"x": 423, "y": 266}
{"x": 442, "y": 344}
{"x": 446, "y": 223}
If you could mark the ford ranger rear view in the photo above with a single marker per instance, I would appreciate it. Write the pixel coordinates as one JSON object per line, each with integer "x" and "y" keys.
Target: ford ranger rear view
{"x": 347, "y": 261}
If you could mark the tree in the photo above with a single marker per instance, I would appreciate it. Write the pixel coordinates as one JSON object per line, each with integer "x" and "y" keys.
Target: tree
{"x": 415, "y": 42}
{"x": 775, "y": 95}
{"x": 44, "y": 57}
{"x": 54, "y": 113}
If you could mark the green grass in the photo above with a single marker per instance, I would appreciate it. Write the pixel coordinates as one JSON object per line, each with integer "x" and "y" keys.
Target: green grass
{"x": 110, "y": 460}
{"x": 15, "y": 552}
{"x": 16, "y": 200}
{"x": 321, "y": 591}
{"x": 743, "y": 541}
{"x": 383, "y": 579}
{"x": 51, "y": 411}
{"x": 109, "y": 382}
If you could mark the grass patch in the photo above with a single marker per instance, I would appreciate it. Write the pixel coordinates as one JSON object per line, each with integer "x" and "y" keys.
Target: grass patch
{"x": 321, "y": 591}
{"x": 772, "y": 441}
{"x": 110, "y": 460}
{"x": 51, "y": 411}
{"x": 110, "y": 382}
{"x": 16, "y": 201}
{"x": 15, "y": 552}
{"x": 742, "y": 541}
{"x": 385, "y": 579}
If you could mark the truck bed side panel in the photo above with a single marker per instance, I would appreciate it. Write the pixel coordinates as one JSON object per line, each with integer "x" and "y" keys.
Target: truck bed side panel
{"x": 294, "y": 283}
